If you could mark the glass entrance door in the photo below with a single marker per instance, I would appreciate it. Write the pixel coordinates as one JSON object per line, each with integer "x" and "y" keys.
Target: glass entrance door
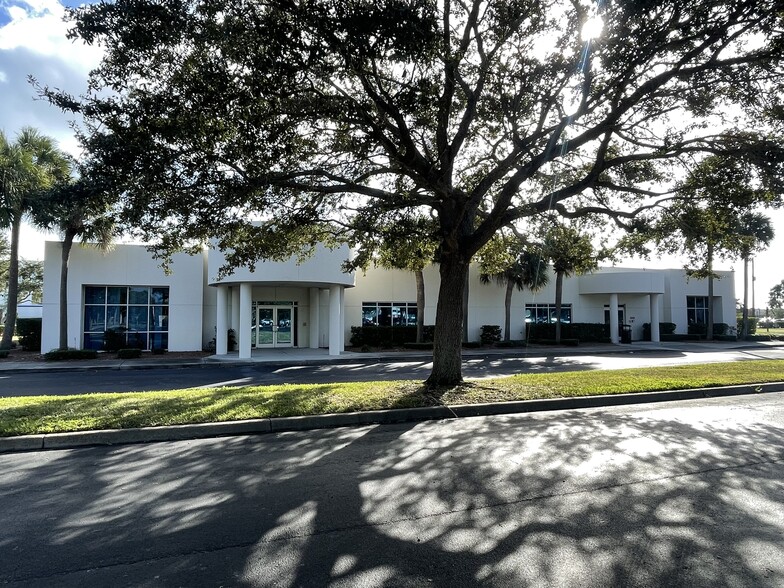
{"x": 273, "y": 327}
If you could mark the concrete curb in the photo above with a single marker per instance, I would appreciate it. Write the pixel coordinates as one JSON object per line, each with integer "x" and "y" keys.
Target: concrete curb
{"x": 352, "y": 419}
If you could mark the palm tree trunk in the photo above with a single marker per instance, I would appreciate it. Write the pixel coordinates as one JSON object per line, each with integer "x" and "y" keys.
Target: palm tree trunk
{"x": 13, "y": 284}
{"x": 558, "y": 301}
{"x": 420, "y": 300}
{"x": 65, "y": 257}
{"x": 744, "y": 325}
{"x": 508, "y": 309}
{"x": 709, "y": 333}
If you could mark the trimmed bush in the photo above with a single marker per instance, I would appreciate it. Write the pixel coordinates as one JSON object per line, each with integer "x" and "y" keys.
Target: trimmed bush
{"x": 752, "y": 325}
{"x": 702, "y": 329}
{"x": 129, "y": 353}
{"x": 29, "y": 331}
{"x": 114, "y": 339}
{"x": 4, "y": 353}
{"x": 664, "y": 329}
{"x": 584, "y": 332}
{"x": 68, "y": 354}
{"x": 490, "y": 334}
{"x": 375, "y": 336}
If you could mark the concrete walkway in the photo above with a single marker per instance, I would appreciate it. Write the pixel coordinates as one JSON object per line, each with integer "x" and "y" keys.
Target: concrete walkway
{"x": 292, "y": 356}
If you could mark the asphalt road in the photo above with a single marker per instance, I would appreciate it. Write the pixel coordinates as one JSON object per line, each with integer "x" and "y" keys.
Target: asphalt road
{"x": 28, "y": 384}
{"x": 670, "y": 494}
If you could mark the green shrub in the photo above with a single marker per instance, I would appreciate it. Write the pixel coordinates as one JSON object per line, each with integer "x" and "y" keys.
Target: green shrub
{"x": 387, "y": 337}
{"x": 4, "y": 353}
{"x": 231, "y": 340}
{"x": 489, "y": 334}
{"x": 68, "y": 354}
{"x": 664, "y": 329}
{"x": 29, "y": 331}
{"x": 158, "y": 350}
{"x": 585, "y": 332}
{"x": 752, "y": 325}
{"x": 129, "y": 353}
{"x": 115, "y": 339}
{"x": 702, "y": 329}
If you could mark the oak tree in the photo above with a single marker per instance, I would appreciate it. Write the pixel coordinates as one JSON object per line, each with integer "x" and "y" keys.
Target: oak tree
{"x": 314, "y": 116}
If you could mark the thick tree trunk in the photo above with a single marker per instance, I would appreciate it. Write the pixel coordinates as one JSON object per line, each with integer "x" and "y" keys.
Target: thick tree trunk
{"x": 709, "y": 333}
{"x": 508, "y": 309}
{"x": 558, "y": 298}
{"x": 744, "y": 329}
{"x": 64, "y": 258}
{"x": 13, "y": 285}
{"x": 420, "y": 300}
{"x": 447, "y": 368}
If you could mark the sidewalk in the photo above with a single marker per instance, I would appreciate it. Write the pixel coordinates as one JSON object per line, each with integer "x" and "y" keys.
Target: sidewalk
{"x": 311, "y": 357}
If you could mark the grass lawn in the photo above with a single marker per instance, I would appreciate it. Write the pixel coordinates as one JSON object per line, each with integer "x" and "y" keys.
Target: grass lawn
{"x": 50, "y": 414}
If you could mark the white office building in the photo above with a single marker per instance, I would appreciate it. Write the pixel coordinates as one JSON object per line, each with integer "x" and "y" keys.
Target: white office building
{"x": 314, "y": 304}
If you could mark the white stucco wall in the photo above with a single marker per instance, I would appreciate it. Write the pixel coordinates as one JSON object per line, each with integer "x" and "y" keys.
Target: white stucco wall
{"x": 124, "y": 265}
{"x": 192, "y": 307}
{"x": 322, "y": 269}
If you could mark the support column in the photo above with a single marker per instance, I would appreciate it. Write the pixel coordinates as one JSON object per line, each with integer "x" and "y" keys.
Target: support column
{"x": 655, "y": 319}
{"x": 315, "y": 300}
{"x": 614, "y": 338}
{"x": 335, "y": 324}
{"x": 342, "y": 319}
{"x": 243, "y": 337}
{"x": 235, "y": 308}
{"x": 221, "y": 321}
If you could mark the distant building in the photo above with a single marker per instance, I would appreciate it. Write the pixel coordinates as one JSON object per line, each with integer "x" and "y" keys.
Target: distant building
{"x": 315, "y": 304}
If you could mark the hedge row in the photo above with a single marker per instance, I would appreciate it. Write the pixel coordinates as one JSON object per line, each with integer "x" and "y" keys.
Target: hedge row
{"x": 583, "y": 332}
{"x": 375, "y": 336}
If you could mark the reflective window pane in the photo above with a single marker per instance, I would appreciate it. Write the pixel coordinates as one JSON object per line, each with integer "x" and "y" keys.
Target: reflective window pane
{"x": 117, "y": 295}
{"x": 159, "y": 318}
{"x": 93, "y": 341}
{"x": 138, "y": 295}
{"x": 116, "y": 316}
{"x": 137, "y": 318}
{"x": 94, "y": 318}
{"x": 159, "y": 296}
{"x": 94, "y": 295}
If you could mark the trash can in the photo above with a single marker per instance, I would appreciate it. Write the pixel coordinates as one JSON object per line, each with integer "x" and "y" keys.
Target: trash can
{"x": 626, "y": 334}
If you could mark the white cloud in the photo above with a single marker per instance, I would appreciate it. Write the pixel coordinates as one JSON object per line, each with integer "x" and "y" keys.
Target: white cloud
{"x": 39, "y": 27}
{"x": 3, "y": 77}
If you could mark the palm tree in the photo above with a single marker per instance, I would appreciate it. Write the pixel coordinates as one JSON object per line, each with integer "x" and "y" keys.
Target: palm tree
{"x": 75, "y": 208}
{"x": 527, "y": 269}
{"x": 570, "y": 253}
{"x": 28, "y": 166}
{"x": 755, "y": 232}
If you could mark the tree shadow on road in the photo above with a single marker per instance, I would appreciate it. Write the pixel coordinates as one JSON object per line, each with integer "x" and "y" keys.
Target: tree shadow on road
{"x": 601, "y": 497}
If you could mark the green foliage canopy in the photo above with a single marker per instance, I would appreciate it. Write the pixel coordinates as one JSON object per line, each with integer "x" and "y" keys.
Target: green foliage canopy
{"x": 320, "y": 118}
